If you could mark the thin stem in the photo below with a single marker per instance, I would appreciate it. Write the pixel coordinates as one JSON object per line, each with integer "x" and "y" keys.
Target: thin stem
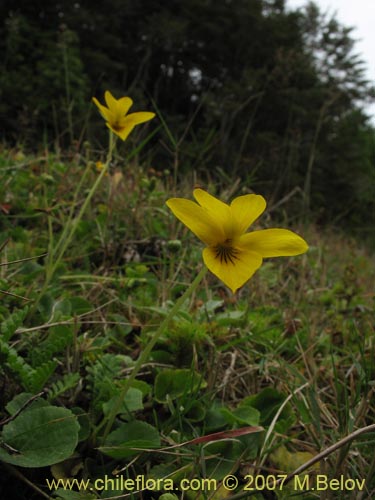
{"x": 67, "y": 236}
{"x": 71, "y": 212}
{"x": 77, "y": 220}
{"x": 50, "y": 230}
{"x": 147, "y": 351}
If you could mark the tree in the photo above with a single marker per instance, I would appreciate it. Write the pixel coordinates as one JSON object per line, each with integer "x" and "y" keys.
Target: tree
{"x": 254, "y": 90}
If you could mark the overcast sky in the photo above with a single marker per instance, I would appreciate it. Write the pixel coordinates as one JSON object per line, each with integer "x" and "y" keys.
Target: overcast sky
{"x": 359, "y": 14}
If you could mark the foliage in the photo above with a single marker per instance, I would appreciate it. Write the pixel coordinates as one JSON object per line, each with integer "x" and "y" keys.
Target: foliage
{"x": 40, "y": 436}
{"x": 277, "y": 355}
{"x": 250, "y": 89}
{"x": 113, "y": 368}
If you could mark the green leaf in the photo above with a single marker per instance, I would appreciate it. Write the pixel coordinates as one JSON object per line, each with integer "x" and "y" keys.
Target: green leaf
{"x": 18, "y": 401}
{"x": 61, "y": 309}
{"x": 242, "y": 415}
{"x": 66, "y": 382}
{"x": 171, "y": 384}
{"x": 267, "y": 401}
{"x": 59, "y": 337}
{"x": 79, "y": 305}
{"x": 210, "y": 306}
{"x": 84, "y": 423}
{"x": 14, "y": 321}
{"x": 40, "y": 437}
{"x": 132, "y": 402}
{"x": 229, "y": 318}
{"x": 45, "y": 306}
{"x": 30, "y": 271}
{"x": 129, "y": 439}
{"x": 215, "y": 419}
{"x": 196, "y": 412}
{"x": 221, "y": 457}
{"x": 38, "y": 377}
{"x": 142, "y": 386}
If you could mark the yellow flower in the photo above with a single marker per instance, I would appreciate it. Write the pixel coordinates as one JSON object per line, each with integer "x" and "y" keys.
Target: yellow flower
{"x": 231, "y": 253}
{"x": 99, "y": 166}
{"x": 116, "y": 117}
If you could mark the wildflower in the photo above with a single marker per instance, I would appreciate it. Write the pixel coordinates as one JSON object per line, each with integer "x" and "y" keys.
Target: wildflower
{"x": 116, "y": 117}
{"x": 231, "y": 253}
{"x": 99, "y": 166}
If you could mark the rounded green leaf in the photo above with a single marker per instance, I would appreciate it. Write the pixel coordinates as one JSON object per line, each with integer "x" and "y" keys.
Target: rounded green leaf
{"x": 172, "y": 384}
{"x": 132, "y": 402}
{"x": 129, "y": 439}
{"x": 241, "y": 415}
{"x": 40, "y": 437}
{"x": 22, "y": 399}
{"x": 196, "y": 412}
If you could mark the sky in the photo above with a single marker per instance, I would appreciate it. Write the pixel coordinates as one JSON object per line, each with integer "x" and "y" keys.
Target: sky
{"x": 359, "y": 14}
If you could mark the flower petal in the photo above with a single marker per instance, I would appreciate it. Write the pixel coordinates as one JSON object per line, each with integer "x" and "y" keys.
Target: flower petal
{"x": 273, "y": 243}
{"x": 213, "y": 205}
{"x": 197, "y": 219}
{"x": 217, "y": 209}
{"x": 110, "y": 100}
{"x": 139, "y": 117}
{"x": 105, "y": 112}
{"x": 246, "y": 209}
{"x": 233, "y": 274}
{"x": 124, "y": 104}
{"x": 122, "y": 132}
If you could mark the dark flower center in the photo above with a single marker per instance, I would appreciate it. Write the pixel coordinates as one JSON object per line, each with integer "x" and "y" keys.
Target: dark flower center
{"x": 116, "y": 125}
{"x": 226, "y": 252}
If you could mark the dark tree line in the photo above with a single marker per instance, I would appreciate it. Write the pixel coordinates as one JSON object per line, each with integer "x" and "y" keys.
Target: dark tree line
{"x": 275, "y": 97}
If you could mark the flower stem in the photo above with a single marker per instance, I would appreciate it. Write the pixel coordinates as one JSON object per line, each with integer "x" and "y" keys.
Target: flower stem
{"x": 147, "y": 351}
{"x": 71, "y": 212}
{"x": 77, "y": 220}
{"x": 67, "y": 235}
